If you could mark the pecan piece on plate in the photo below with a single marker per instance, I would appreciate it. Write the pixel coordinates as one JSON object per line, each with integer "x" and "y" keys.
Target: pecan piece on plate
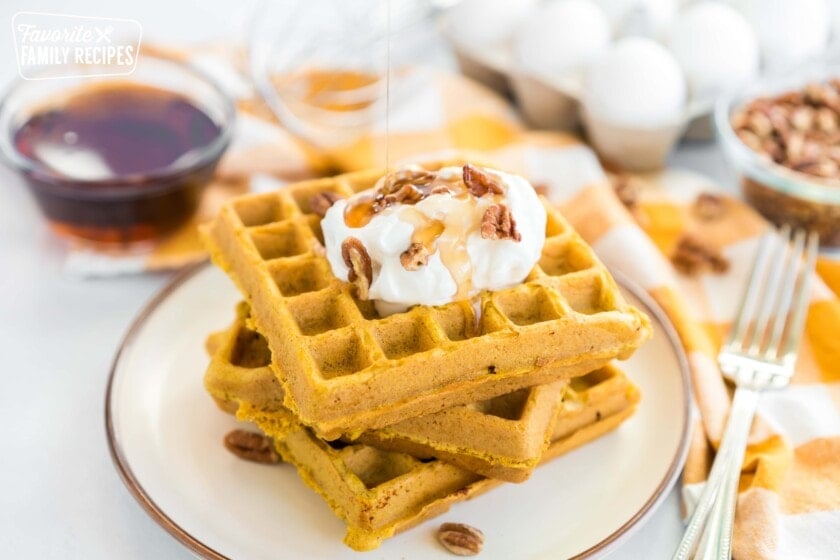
{"x": 498, "y": 223}
{"x": 356, "y": 258}
{"x": 251, "y": 446}
{"x": 461, "y": 539}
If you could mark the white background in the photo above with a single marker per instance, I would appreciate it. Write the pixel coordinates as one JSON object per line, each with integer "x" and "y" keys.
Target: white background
{"x": 60, "y": 497}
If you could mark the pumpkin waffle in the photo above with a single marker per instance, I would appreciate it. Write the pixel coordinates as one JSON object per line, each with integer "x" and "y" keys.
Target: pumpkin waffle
{"x": 345, "y": 369}
{"x": 379, "y": 493}
{"x": 239, "y": 371}
{"x": 506, "y": 437}
{"x": 503, "y": 437}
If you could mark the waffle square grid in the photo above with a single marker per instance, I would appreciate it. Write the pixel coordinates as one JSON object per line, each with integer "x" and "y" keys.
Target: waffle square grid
{"x": 345, "y": 369}
{"x": 379, "y": 493}
{"x": 503, "y": 437}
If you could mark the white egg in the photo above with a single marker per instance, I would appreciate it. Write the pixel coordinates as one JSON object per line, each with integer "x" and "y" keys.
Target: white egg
{"x": 561, "y": 37}
{"x": 788, "y": 31}
{"x": 645, "y": 18}
{"x": 716, "y": 48}
{"x": 486, "y": 22}
{"x": 636, "y": 83}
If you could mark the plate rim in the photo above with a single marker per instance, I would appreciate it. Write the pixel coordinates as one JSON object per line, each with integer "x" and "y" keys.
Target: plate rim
{"x": 196, "y": 546}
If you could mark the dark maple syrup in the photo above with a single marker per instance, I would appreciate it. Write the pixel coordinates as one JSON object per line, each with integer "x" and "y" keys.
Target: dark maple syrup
{"x": 119, "y": 163}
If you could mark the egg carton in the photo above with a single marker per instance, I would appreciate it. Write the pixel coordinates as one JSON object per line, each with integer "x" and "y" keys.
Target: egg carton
{"x": 551, "y": 103}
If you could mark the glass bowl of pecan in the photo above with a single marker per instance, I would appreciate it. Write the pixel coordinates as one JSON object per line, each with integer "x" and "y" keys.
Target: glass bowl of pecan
{"x": 782, "y": 135}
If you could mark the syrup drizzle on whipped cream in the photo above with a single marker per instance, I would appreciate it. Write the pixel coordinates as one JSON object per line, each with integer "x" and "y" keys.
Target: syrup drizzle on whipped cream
{"x": 443, "y": 212}
{"x": 408, "y": 186}
{"x": 411, "y": 185}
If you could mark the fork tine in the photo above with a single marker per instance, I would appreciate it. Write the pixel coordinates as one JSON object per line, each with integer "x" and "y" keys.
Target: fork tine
{"x": 770, "y": 292}
{"x": 792, "y": 267}
{"x": 751, "y": 292}
{"x": 800, "y": 306}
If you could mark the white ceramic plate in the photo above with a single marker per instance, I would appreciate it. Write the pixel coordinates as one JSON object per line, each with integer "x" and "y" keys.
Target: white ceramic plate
{"x": 165, "y": 435}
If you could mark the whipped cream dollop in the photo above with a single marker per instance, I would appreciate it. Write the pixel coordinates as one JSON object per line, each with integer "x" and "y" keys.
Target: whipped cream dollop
{"x": 431, "y": 238}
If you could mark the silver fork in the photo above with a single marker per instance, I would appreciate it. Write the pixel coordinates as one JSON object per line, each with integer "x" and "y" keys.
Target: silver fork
{"x": 759, "y": 354}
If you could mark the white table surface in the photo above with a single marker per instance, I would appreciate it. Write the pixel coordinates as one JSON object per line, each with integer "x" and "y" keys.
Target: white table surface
{"x": 60, "y": 496}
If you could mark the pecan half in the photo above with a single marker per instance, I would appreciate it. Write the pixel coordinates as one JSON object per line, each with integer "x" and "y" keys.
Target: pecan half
{"x": 251, "y": 446}
{"x": 479, "y": 182}
{"x": 802, "y": 118}
{"x": 356, "y": 258}
{"x": 393, "y": 182}
{"x": 709, "y": 207}
{"x": 416, "y": 256}
{"x": 321, "y": 202}
{"x": 461, "y": 539}
{"x": 407, "y": 194}
{"x": 823, "y": 95}
{"x": 693, "y": 256}
{"x": 498, "y": 223}
{"x": 408, "y": 185}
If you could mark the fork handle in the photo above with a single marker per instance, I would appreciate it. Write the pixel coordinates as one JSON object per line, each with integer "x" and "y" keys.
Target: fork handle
{"x": 720, "y": 525}
{"x": 706, "y": 548}
{"x": 737, "y": 429}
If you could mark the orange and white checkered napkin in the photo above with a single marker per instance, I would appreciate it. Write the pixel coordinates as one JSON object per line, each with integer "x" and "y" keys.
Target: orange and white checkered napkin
{"x": 789, "y": 506}
{"x": 789, "y": 502}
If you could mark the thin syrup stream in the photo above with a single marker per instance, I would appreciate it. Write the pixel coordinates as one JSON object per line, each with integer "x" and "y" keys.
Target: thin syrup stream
{"x": 388, "y": 90}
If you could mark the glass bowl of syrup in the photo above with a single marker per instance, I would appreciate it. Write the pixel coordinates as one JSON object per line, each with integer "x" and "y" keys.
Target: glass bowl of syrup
{"x": 117, "y": 161}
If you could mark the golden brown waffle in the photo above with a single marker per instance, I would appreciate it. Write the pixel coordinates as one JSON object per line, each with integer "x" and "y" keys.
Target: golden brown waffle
{"x": 239, "y": 370}
{"x": 503, "y": 437}
{"x": 344, "y": 369}
{"x": 380, "y": 493}
{"x": 506, "y": 437}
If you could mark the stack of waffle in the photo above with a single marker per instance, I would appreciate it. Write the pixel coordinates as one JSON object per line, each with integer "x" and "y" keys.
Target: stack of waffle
{"x": 394, "y": 419}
